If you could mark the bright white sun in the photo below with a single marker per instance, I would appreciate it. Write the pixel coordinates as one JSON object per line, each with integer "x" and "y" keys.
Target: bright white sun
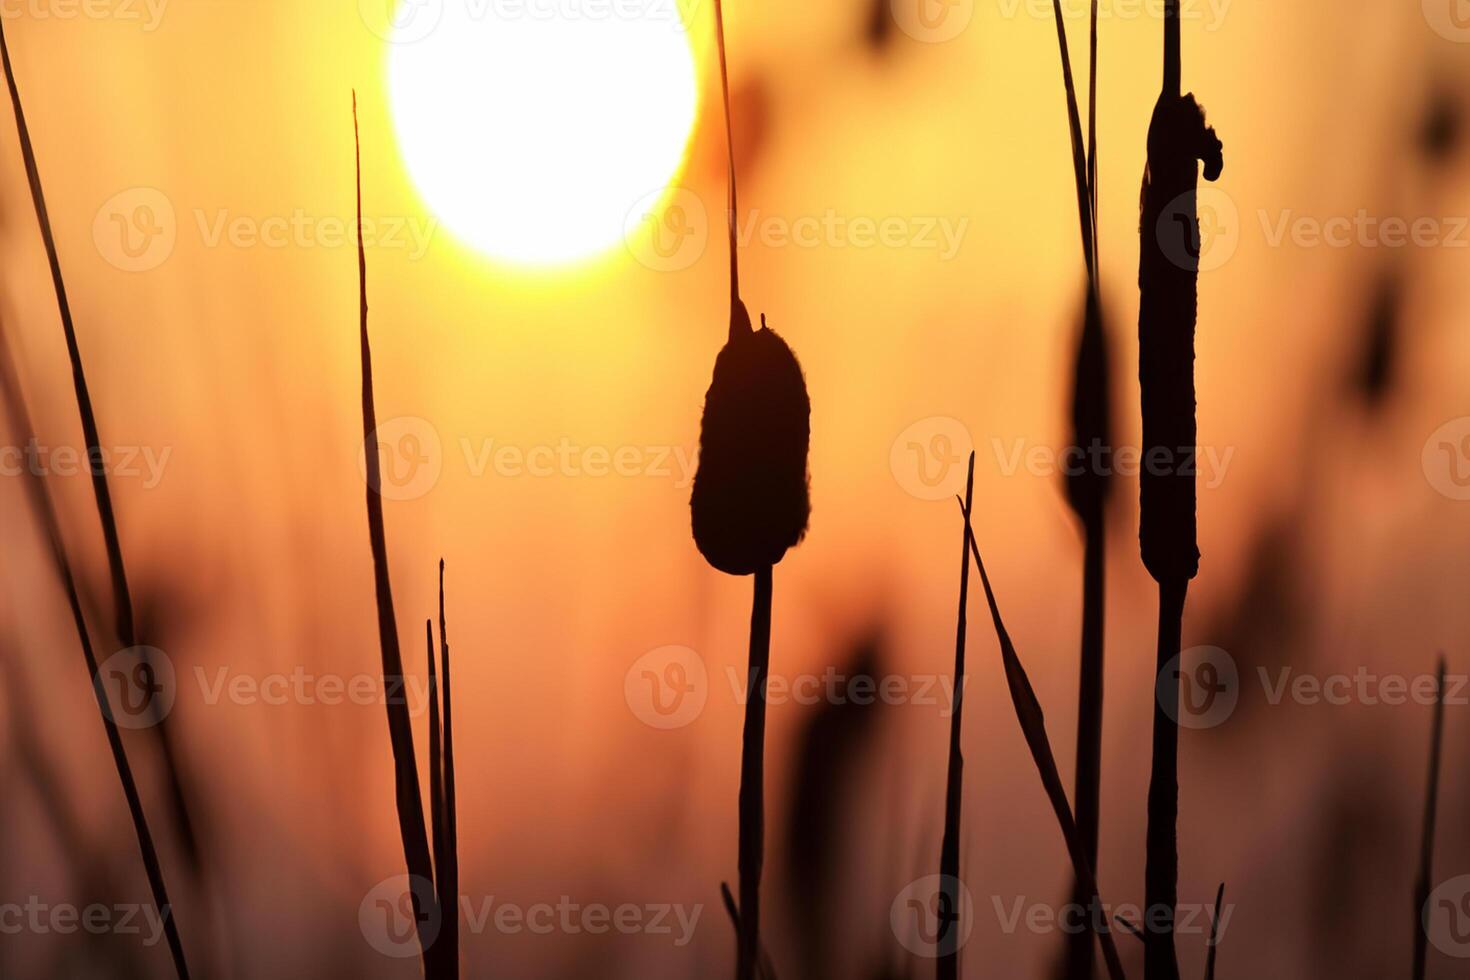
{"x": 531, "y": 128}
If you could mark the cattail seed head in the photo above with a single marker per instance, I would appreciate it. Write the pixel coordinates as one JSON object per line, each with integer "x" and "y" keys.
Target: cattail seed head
{"x": 750, "y": 501}
{"x": 1168, "y": 282}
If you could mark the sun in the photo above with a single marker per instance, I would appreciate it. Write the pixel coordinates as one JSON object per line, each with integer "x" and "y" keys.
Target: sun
{"x": 532, "y": 127}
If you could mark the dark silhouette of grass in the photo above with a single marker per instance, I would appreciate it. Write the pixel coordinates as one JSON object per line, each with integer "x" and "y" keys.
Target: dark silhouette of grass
{"x": 45, "y": 510}
{"x": 1214, "y": 944}
{"x": 1088, "y": 486}
{"x": 410, "y": 807}
{"x": 1033, "y": 727}
{"x": 749, "y": 505}
{"x": 947, "y": 964}
{"x": 448, "y": 869}
{"x": 1168, "y": 284}
{"x": 1424, "y": 882}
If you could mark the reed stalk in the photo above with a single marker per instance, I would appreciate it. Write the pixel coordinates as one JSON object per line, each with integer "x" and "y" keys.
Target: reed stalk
{"x": 410, "y": 808}
{"x": 1168, "y": 285}
{"x": 122, "y": 600}
{"x": 1425, "y": 878}
{"x": 947, "y": 964}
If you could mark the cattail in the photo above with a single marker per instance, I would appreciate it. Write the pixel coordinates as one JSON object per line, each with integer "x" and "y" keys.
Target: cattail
{"x": 748, "y": 506}
{"x": 1168, "y": 284}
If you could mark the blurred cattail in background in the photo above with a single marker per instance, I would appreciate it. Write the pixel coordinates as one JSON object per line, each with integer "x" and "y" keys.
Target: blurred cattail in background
{"x": 1168, "y": 280}
{"x": 749, "y": 504}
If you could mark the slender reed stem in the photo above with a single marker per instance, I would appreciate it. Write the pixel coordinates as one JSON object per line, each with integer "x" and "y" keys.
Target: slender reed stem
{"x": 1087, "y": 790}
{"x": 947, "y": 965}
{"x": 752, "y": 780}
{"x": 1426, "y": 843}
{"x": 15, "y": 408}
{"x": 1214, "y": 934}
{"x": 449, "y": 871}
{"x": 400, "y": 727}
{"x": 730, "y": 154}
{"x": 1161, "y": 868}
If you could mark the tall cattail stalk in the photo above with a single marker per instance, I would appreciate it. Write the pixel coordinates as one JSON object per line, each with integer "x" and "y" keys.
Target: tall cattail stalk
{"x": 749, "y": 505}
{"x": 1423, "y": 882}
{"x": 1168, "y": 279}
{"x": 410, "y": 806}
{"x": 122, "y": 601}
{"x": 447, "y": 869}
{"x": 45, "y": 509}
{"x": 1088, "y": 484}
{"x": 947, "y": 964}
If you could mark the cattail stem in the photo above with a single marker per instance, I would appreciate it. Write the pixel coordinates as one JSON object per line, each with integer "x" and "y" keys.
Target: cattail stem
{"x": 1173, "y": 71}
{"x": 1425, "y": 878}
{"x": 410, "y": 806}
{"x": 947, "y": 965}
{"x": 1087, "y": 790}
{"x": 752, "y": 780}
{"x": 1161, "y": 869}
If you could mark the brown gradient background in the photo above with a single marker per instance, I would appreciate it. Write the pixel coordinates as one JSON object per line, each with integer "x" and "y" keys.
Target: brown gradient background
{"x": 1325, "y": 547}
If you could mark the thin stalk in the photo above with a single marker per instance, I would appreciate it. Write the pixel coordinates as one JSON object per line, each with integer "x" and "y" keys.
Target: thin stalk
{"x": 400, "y": 727}
{"x": 1087, "y": 789}
{"x": 1214, "y": 934}
{"x": 947, "y": 965}
{"x": 1161, "y": 868}
{"x": 1426, "y": 841}
{"x": 449, "y": 870}
{"x": 730, "y": 155}
{"x": 752, "y": 780}
{"x": 41, "y": 501}
{"x": 436, "y": 766}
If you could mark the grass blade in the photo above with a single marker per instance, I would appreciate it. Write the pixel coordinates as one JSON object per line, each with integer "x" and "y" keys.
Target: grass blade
{"x": 1033, "y": 727}
{"x": 1214, "y": 934}
{"x": 449, "y": 869}
{"x": 400, "y": 727}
